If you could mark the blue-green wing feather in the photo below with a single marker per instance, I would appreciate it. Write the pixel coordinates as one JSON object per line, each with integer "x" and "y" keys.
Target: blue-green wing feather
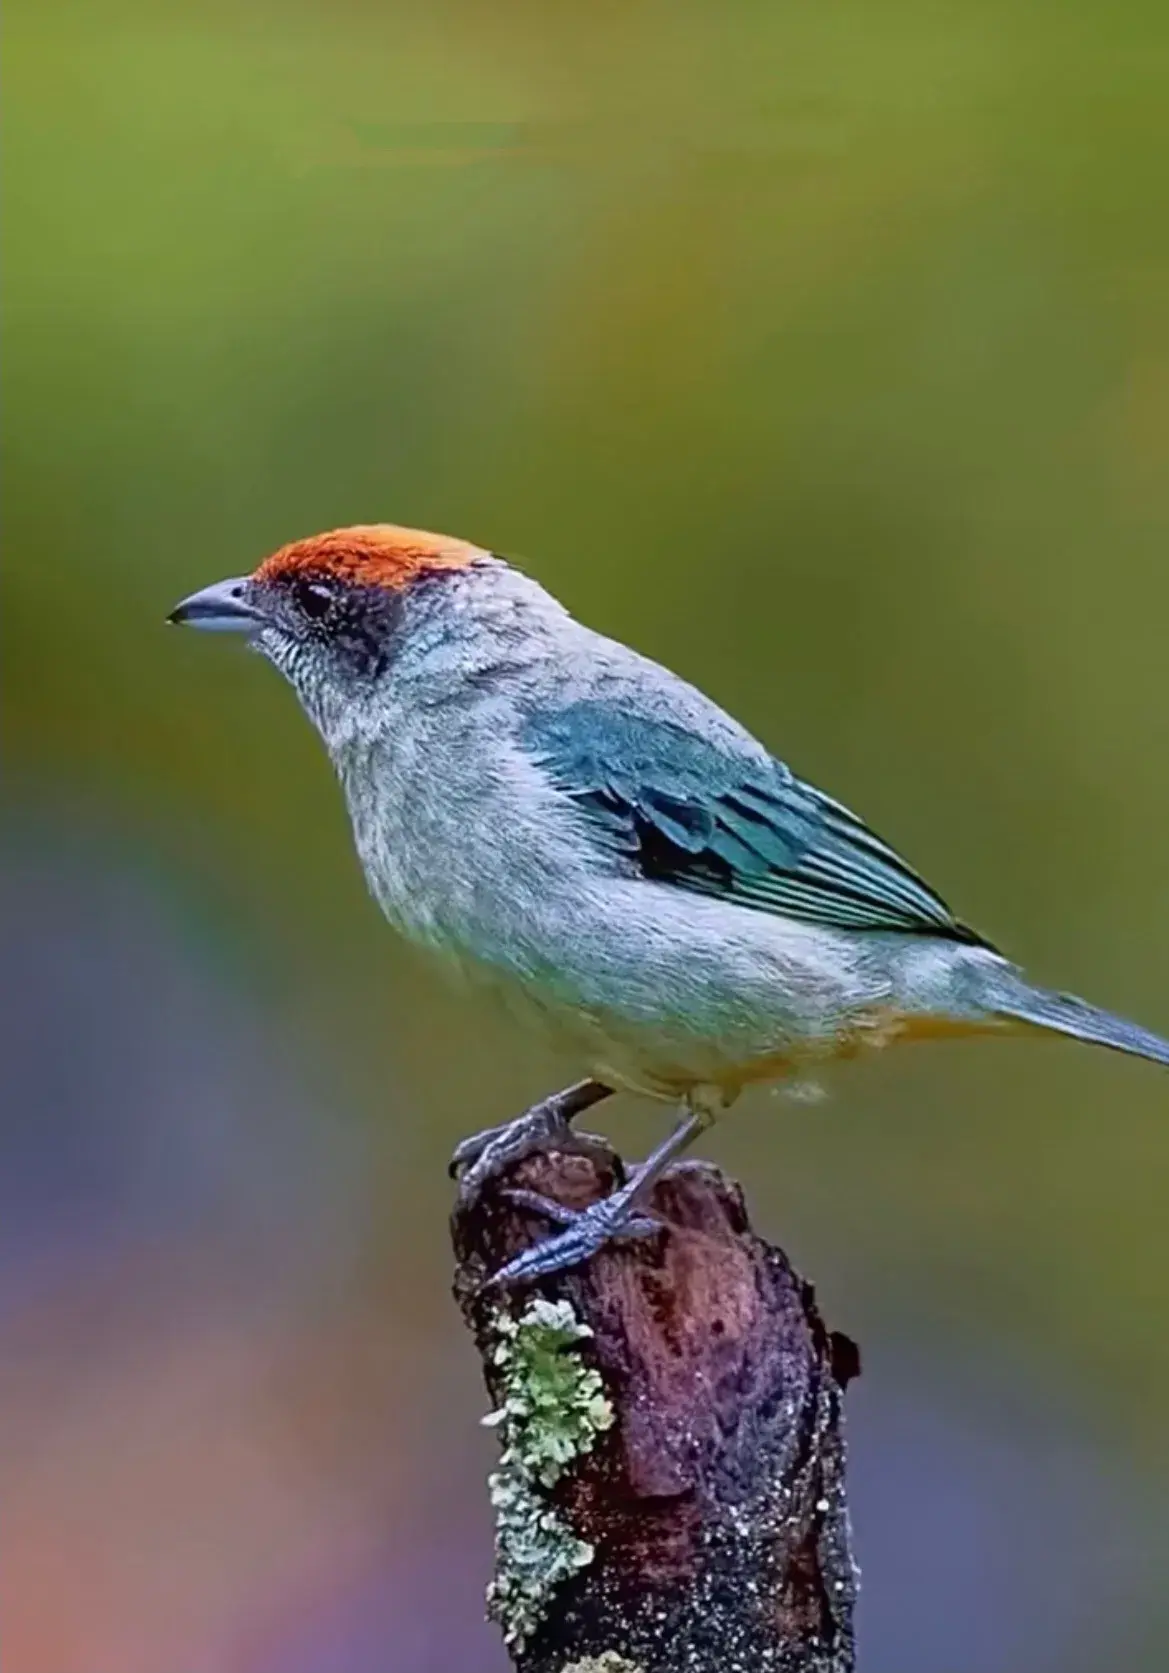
{"x": 730, "y": 823}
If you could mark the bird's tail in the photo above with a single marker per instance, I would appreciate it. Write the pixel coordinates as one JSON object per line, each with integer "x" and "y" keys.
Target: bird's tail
{"x": 1014, "y": 998}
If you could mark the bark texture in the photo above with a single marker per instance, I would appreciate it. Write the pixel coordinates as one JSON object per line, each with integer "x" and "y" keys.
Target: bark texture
{"x": 671, "y": 1496}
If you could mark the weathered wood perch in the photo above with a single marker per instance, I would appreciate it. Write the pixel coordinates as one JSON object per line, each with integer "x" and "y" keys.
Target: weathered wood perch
{"x": 671, "y": 1492}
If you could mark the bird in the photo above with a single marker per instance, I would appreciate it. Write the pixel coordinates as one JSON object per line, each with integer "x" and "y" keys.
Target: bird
{"x": 558, "y": 816}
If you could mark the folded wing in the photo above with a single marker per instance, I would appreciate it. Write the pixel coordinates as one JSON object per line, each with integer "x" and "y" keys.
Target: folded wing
{"x": 737, "y": 825}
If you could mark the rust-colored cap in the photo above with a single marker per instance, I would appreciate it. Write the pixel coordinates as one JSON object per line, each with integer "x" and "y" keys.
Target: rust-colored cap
{"x": 371, "y": 554}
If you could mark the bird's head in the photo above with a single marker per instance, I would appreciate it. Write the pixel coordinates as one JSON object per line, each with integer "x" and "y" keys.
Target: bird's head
{"x": 332, "y": 612}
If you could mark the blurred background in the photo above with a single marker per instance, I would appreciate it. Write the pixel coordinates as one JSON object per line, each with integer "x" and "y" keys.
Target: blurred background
{"x": 822, "y": 352}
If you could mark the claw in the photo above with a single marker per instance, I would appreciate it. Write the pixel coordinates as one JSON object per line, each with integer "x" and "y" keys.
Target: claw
{"x": 540, "y": 1204}
{"x": 616, "y": 1216}
{"x": 509, "y": 1148}
{"x": 583, "y": 1235}
{"x": 546, "y": 1126}
{"x": 468, "y": 1151}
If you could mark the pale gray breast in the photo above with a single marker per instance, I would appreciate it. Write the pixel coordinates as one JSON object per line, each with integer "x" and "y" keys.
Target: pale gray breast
{"x": 462, "y": 838}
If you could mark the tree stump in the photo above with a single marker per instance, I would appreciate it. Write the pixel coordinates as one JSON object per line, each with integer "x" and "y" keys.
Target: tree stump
{"x": 671, "y": 1492}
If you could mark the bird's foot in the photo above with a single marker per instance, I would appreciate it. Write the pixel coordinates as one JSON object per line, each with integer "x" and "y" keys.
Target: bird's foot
{"x": 546, "y": 1126}
{"x": 615, "y": 1216}
{"x": 583, "y": 1234}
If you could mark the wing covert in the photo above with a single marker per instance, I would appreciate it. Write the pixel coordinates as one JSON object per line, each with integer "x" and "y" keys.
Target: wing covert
{"x": 735, "y": 825}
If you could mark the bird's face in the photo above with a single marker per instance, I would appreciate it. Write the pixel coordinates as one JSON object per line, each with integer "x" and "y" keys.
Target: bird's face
{"x": 332, "y": 612}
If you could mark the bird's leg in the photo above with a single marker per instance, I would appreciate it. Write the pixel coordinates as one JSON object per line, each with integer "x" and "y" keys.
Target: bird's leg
{"x": 613, "y": 1217}
{"x": 547, "y": 1124}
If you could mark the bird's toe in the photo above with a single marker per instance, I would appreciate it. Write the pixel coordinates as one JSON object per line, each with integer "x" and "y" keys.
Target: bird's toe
{"x": 582, "y": 1235}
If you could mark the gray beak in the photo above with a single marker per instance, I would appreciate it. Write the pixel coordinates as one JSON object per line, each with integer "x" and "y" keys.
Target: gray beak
{"x": 223, "y": 608}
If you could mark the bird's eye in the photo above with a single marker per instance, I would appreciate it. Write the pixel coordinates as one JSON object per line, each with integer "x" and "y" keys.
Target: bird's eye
{"x": 314, "y": 599}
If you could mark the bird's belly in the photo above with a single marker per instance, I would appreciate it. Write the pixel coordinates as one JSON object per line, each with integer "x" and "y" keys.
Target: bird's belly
{"x": 652, "y": 988}
{"x": 666, "y": 1056}
{"x": 663, "y": 1066}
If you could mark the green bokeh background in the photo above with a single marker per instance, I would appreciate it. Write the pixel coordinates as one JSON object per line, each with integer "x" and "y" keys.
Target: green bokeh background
{"x": 822, "y": 352}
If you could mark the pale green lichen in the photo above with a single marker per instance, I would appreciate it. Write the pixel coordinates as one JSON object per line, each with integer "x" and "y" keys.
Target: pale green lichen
{"x": 552, "y": 1408}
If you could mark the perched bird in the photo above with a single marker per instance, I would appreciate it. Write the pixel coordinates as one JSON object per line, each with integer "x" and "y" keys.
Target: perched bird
{"x": 557, "y": 814}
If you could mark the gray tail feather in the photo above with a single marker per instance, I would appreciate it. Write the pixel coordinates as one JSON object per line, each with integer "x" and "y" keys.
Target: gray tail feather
{"x": 1063, "y": 1013}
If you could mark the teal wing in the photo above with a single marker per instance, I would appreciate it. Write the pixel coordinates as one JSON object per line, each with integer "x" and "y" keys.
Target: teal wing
{"x": 731, "y": 824}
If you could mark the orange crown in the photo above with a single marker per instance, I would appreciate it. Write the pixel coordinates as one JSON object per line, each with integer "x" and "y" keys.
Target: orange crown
{"x": 373, "y": 554}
